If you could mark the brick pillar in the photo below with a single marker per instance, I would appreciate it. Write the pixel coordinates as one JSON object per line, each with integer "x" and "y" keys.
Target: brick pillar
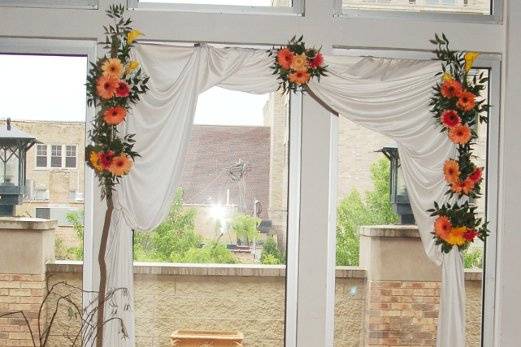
{"x": 26, "y": 245}
{"x": 403, "y": 287}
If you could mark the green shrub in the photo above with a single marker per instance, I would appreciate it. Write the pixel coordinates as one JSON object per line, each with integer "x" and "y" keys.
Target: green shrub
{"x": 270, "y": 253}
{"x": 245, "y": 227}
{"x": 473, "y": 258}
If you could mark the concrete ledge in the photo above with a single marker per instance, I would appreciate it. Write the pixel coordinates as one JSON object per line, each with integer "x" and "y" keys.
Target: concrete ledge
{"x": 403, "y": 231}
{"x": 21, "y": 223}
{"x": 166, "y": 269}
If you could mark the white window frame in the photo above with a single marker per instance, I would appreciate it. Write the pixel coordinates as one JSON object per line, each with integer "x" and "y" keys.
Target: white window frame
{"x": 296, "y": 9}
{"x": 50, "y": 153}
{"x": 49, "y": 157}
{"x": 65, "y": 156}
{"x": 38, "y": 167}
{"x": 496, "y": 16}
{"x": 82, "y": 4}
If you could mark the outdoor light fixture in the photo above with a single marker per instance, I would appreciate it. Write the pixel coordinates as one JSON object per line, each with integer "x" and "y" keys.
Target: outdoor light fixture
{"x": 397, "y": 189}
{"x": 14, "y": 145}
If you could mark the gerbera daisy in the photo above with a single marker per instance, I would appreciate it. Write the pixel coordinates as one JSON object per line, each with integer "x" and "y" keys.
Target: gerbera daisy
{"x": 300, "y": 63}
{"x": 123, "y": 90}
{"x": 317, "y": 60}
{"x": 470, "y": 234}
{"x": 451, "y": 88}
{"x": 112, "y": 67}
{"x": 460, "y": 134}
{"x": 466, "y": 101}
{"x": 131, "y": 66}
{"x": 450, "y": 118}
{"x": 106, "y": 86}
{"x": 299, "y": 77}
{"x": 451, "y": 171}
{"x": 94, "y": 161}
{"x": 456, "y": 187}
{"x": 284, "y": 58}
{"x": 133, "y": 35}
{"x": 105, "y": 159}
{"x": 467, "y": 186}
{"x": 442, "y": 227}
{"x": 476, "y": 175}
{"x": 120, "y": 165}
{"x": 114, "y": 115}
{"x": 456, "y": 236}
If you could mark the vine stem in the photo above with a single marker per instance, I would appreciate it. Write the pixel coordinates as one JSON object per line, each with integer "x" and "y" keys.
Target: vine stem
{"x": 103, "y": 271}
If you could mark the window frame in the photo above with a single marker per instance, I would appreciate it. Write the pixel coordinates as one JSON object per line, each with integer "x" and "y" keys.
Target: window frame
{"x": 297, "y": 8}
{"x": 63, "y": 149}
{"x": 495, "y": 17}
{"x": 80, "y": 4}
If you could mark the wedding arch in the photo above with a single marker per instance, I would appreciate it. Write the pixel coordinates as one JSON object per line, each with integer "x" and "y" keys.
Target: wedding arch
{"x": 408, "y": 101}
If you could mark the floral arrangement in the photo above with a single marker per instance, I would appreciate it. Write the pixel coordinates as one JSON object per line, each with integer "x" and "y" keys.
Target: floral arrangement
{"x": 457, "y": 107}
{"x": 114, "y": 83}
{"x": 295, "y": 64}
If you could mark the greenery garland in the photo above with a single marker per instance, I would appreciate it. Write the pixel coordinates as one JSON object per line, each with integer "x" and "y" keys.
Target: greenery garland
{"x": 115, "y": 82}
{"x": 458, "y": 111}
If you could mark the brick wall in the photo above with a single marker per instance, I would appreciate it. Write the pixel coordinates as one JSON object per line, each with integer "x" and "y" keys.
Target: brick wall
{"x": 20, "y": 292}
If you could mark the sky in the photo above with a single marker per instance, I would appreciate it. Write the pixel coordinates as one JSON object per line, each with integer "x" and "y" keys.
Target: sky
{"x": 53, "y": 88}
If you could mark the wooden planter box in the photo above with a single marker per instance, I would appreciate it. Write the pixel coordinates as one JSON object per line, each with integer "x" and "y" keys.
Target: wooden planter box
{"x": 201, "y": 338}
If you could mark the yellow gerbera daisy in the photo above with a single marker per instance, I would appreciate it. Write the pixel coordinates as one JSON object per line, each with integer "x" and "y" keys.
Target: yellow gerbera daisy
{"x": 300, "y": 63}
{"x": 94, "y": 161}
{"x": 132, "y": 66}
{"x": 133, "y": 35}
{"x": 112, "y": 67}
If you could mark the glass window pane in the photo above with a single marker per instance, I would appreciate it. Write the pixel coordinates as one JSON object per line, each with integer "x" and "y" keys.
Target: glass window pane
{"x": 70, "y": 156}
{"x": 54, "y": 115}
{"x": 482, "y": 7}
{"x": 226, "y": 231}
{"x": 256, "y": 3}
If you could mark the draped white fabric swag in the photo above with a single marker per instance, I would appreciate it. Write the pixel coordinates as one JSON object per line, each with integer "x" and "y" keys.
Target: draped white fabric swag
{"x": 385, "y": 95}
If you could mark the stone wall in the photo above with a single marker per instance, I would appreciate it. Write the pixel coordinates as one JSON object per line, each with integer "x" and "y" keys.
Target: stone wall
{"x": 251, "y": 299}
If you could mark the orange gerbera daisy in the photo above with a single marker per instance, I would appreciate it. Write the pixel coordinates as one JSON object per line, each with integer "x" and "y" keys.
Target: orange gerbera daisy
{"x": 114, "y": 115}
{"x": 451, "y": 88}
{"x": 112, "y": 67}
{"x": 300, "y": 63}
{"x": 457, "y": 236}
{"x": 106, "y": 86}
{"x": 94, "y": 161}
{"x": 457, "y": 187}
{"x": 451, "y": 171}
{"x": 467, "y": 186}
{"x": 284, "y": 58}
{"x": 466, "y": 101}
{"x": 442, "y": 227}
{"x": 120, "y": 165}
{"x": 460, "y": 134}
{"x": 299, "y": 77}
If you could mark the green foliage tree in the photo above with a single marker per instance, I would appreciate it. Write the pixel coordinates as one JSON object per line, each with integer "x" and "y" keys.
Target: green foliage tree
{"x": 270, "y": 253}
{"x": 75, "y": 218}
{"x": 245, "y": 227}
{"x": 473, "y": 258}
{"x": 356, "y": 210}
{"x": 176, "y": 240}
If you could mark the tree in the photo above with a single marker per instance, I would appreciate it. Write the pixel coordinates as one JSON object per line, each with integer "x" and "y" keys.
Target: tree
{"x": 270, "y": 253}
{"x": 176, "y": 240}
{"x": 354, "y": 211}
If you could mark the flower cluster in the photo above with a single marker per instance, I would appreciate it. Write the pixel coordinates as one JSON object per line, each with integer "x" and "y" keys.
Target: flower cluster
{"x": 295, "y": 64}
{"x": 114, "y": 83}
{"x": 457, "y": 107}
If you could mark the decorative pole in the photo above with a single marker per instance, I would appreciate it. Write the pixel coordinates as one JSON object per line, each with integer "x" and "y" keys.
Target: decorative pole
{"x": 114, "y": 84}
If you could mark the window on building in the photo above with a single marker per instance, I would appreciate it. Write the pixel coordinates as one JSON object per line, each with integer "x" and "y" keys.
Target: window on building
{"x": 41, "y": 156}
{"x": 70, "y": 156}
{"x": 56, "y": 156}
{"x": 476, "y": 7}
{"x": 230, "y": 213}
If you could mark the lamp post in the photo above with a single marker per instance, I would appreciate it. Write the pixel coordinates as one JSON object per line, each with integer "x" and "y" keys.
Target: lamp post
{"x": 14, "y": 145}
{"x": 397, "y": 189}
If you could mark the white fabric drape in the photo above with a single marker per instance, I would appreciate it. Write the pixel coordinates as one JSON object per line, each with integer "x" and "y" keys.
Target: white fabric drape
{"x": 385, "y": 95}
